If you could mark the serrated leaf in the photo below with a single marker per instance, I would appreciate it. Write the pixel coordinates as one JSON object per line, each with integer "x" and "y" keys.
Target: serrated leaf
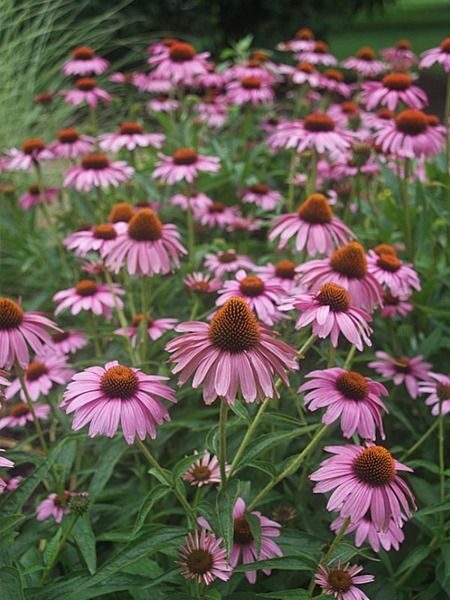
{"x": 10, "y": 584}
{"x": 158, "y": 492}
{"x": 85, "y": 540}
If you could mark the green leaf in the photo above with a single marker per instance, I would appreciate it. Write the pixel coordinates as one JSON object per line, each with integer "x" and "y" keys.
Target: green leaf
{"x": 105, "y": 467}
{"x": 255, "y": 528}
{"x": 225, "y": 505}
{"x": 414, "y": 558}
{"x": 158, "y": 492}
{"x": 284, "y": 563}
{"x": 10, "y": 584}
{"x": 51, "y": 547}
{"x": 241, "y": 411}
{"x": 297, "y": 594}
{"x": 183, "y": 465}
{"x": 85, "y": 540}
{"x": 431, "y": 510}
{"x": 9, "y": 521}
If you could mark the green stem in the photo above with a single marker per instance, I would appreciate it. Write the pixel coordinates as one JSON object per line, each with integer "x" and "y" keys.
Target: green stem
{"x": 306, "y": 346}
{"x": 340, "y": 534}
{"x": 349, "y": 358}
{"x": 290, "y": 469}
{"x": 291, "y": 183}
{"x": 407, "y": 215}
{"x": 447, "y": 126}
{"x": 63, "y": 540}
{"x": 145, "y": 310}
{"x": 223, "y": 441}
{"x": 95, "y": 337}
{"x": 37, "y": 425}
{"x": 179, "y": 496}
{"x": 424, "y": 437}
{"x": 441, "y": 442}
{"x": 311, "y": 183}
{"x": 190, "y": 229}
{"x": 254, "y": 424}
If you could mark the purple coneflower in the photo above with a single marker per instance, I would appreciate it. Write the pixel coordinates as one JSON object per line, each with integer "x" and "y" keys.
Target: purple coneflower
{"x": 114, "y": 394}
{"x": 261, "y": 195}
{"x": 4, "y": 462}
{"x": 400, "y": 56}
{"x": 54, "y": 507}
{"x": 440, "y": 55}
{"x": 282, "y": 273}
{"x": 306, "y": 73}
{"x": 35, "y": 195}
{"x": 226, "y": 262}
{"x": 402, "y": 370}
{"x": 392, "y": 90}
{"x": 347, "y": 395}
{"x": 198, "y": 201}
{"x": 71, "y": 144}
{"x": 347, "y": 267}
{"x": 204, "y": 471}
{"x": 184, "y": 165}
{"x": 89, "y": 295}
{"x": 364, "y": 530}
{"x": 341, "y": 581}
{"x": 131, "y": 135}
{"x": 68, "y": 342}
{"x": 202, "y": 284}
{"x": 400, "y": 278}
{"x": 181, "y": 64}
{"x": 96, "y": 170}
{"x": 10, "y": 484}
{"x": 319, "y": 54}
{"x": 87, "y": 92}
{"x": 85, "y": 62}
{"x": 162, "y": 103}
{"x": 156, "y": 328}
{"x": 438, "y": 388}
{"x": 232, "y": 353}
{"x": 314, "y": 227}
{"x": 262, "y": 295}
{"x": 99, "y": 238}
{"x": 147, "y": 247}
{"x": 365, "y": 479}
{"x": 332, "y": 80}
{"x": 395, "y": 305}
{"x": 46, "y": 370}
{"x": 365, "y": 63}
{"x": 31, "y": 154}
{"x": 216, "y": 214}
{"x": 249, "y": 90}
{"x": 203, "y": 558}
{"x": 19, "y": 414}
{"x": 331, "y": 313}
{"x": 17, "y": 328}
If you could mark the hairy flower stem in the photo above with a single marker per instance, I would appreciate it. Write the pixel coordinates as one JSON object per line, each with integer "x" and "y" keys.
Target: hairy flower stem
{"x": 223, "y": 441}
{"x": 291, "y": 174}
{"x": 419, "y": 442}
{"x": 311, "y": 183}
{"x": 190, "y": 229}
{"x": 441, "y": 442}
{"x": 326, "y": 558}
{"x": 349, "y": 358}
{"x": 290, "y": 469}
{"x": 62, "y": 541}
{"x": 447, "y": 137}
{"x": 37, "y": 425}
{"x": 306, "y": 346}
{"x": 145, "y": 309}
{"x": 179, "y": 496}
{"x": 406, "y": 210}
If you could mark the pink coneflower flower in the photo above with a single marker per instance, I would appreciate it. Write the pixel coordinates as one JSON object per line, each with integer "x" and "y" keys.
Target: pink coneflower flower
{"x": 259, "y": 65}
{"x": 438, "y": 388}
{"x": 314, "y": 227}
{"x": 4, "y": 462}
{"x": 163, "y": 103}
{"x": 19, "y": 414}
{"x": 87, "y": 92}
{"x": 364, "y": 530}
{"x": 232, "y": 353}
{"x": 365, "y": 63}
{"x": 54, "y": 507}
{"x": 409, "y": 135}
{"x": 204, "y": 471}
{"x": 394, "y": 305}
{"x": 227, "y": 261}
{"x": 212, "y": 80}
{"x": 34, "y": 196}
{"x": 17, "y": 328}
{"x": 402, "y": 370}
{"x": 181, "y": 64}
{"x": 341, "y": 581}
{"x": 156, "y": 328}
{"x": 121, "y": 212}
{"x": 184, "y": 165}
{"x": 347, "y": 266}
{"x": 317, "y": 131}
{"x": 365, "y": 479}
{"x": 89, "y": 295}
{"x": 46, "y": 370}
{"x": 85, "y": 62}
{"x": 392, "y": 90}
{"x": 105, "y": 396}
{"x": 99, "y": 239}
{"x": 216, "y": 214}
{"x": 124, "y": 78}
{"x": 244, "y": 223}
{"x": 346, "y": 114}
{"x": 198, "y": 201}
{"x": 203, "y": 558}
{"x": 68, "y": 342}
{"x": 262, "y": 295}
{"x": 400, "y": 56}
{"x": 147, "y": 82}
{"x": 261, "y": 195}
{"x": 71, "y": 144}
{"x": 32, "y": 153}
{"x": 202, "y": 284}
{"x": 306, "y": 73}
{"x": 249, "y": 90}
{"x": 131, "y": 135}
{"x": 282, "y": 273}
{"x": 163, "y": 46}
{"x": 331, "y": 313}
{"x": 212, "y": 110}
{"x": 304, "y": 40}
{"x": 147, "y": 247}
{"x": 347, "y": 395}
{"x": 10, "y": 484}
{"x": 332, "y": 80}
{"x": 96, "y": 170}
{"x": 244, "y": 542}
{"x": 318, "y": 55}
{"x": 400, "y": 278}
{"x": 440, "y": 55}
